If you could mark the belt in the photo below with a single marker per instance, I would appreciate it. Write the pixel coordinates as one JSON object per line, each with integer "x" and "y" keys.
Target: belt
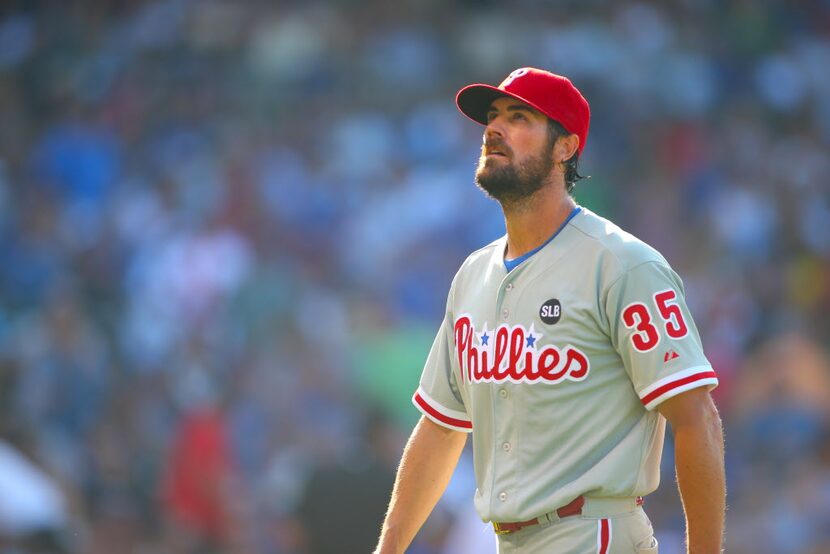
{"x": 572, "y": 508}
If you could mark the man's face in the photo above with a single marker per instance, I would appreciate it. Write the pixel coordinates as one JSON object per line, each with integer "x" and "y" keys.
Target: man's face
{"x": 516, "y": 157}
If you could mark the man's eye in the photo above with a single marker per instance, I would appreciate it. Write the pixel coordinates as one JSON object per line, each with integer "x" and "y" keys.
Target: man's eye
{"x": 518, "y": 115}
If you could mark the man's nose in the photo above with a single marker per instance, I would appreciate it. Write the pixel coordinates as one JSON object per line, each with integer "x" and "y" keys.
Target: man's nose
{"x": 493, "y": 130}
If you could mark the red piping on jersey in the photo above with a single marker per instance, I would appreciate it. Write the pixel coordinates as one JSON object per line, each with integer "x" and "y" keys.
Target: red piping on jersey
{"x": 679, "y": 383}
{"x": 441, "y": 417}
{"x": 604, "y": 536}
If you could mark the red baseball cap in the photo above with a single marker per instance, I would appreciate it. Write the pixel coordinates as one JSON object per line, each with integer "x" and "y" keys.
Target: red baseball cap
{"x": 552, "y": 94}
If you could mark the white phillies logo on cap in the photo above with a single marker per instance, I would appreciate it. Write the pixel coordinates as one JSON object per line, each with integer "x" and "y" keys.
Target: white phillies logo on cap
{"x": 515, "y": 75}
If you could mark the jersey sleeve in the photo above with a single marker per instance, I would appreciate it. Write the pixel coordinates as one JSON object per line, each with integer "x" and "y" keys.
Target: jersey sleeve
{"x": 438, "y": 397}
{"x": 653, "y": 332}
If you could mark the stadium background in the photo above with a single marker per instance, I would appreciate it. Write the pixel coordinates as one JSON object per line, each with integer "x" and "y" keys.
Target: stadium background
{"x": 227, "y": 230}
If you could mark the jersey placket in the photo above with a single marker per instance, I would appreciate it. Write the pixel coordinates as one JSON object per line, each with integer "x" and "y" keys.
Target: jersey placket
{"x": 503, "y": 396}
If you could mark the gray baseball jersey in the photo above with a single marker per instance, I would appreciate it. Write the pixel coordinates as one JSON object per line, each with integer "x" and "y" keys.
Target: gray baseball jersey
{"x": 556, "y": 368}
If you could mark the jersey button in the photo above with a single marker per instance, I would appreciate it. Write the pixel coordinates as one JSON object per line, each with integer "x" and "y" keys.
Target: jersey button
{"x": 505, "y": 313}
{"x": 506, "y": 447}
{"x": 503, "y": 393}
{"x": 502, "y": 496}
{"x": 509, "y": 287}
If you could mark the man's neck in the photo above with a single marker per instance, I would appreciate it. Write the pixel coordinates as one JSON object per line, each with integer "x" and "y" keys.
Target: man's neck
{"x": 532, "y": 221}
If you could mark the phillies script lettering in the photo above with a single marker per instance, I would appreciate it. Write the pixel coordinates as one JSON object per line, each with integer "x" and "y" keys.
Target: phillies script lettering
{"x": 509, "y": 353}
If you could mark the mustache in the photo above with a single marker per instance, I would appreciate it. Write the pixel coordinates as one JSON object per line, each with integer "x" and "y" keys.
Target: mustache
{"x": 495, "y": 144}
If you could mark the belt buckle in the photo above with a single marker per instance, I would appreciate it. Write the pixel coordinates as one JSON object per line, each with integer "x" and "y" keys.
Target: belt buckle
{"x": 500, "y": 530}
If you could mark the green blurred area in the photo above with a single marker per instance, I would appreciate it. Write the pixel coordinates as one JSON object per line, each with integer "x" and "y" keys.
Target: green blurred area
{"x": 388, "y": 366}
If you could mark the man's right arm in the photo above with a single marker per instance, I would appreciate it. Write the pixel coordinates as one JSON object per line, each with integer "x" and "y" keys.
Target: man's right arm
{"x": 427, "y": 465}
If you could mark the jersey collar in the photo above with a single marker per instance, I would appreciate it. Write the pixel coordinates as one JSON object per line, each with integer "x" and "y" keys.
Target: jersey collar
{"x": 510, "y": 265}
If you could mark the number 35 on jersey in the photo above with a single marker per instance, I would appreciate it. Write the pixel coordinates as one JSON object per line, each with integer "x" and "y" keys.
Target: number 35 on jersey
{"x": 647, "y": 320}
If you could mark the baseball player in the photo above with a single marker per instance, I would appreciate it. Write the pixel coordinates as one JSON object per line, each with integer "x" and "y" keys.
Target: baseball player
{"x": 565, "y": 347}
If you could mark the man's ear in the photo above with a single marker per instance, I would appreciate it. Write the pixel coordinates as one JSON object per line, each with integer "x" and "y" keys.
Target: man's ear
{"x": 565, "y": 148}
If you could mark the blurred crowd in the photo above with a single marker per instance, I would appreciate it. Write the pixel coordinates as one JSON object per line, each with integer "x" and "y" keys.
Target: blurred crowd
{"x": 227, "y": 230}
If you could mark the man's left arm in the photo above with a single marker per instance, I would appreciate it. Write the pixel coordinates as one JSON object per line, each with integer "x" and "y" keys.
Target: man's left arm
{"x": 699, "y": 461}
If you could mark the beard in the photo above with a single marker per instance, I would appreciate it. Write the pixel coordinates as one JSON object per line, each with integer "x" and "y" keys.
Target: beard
{"x": 512, "y": 183}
